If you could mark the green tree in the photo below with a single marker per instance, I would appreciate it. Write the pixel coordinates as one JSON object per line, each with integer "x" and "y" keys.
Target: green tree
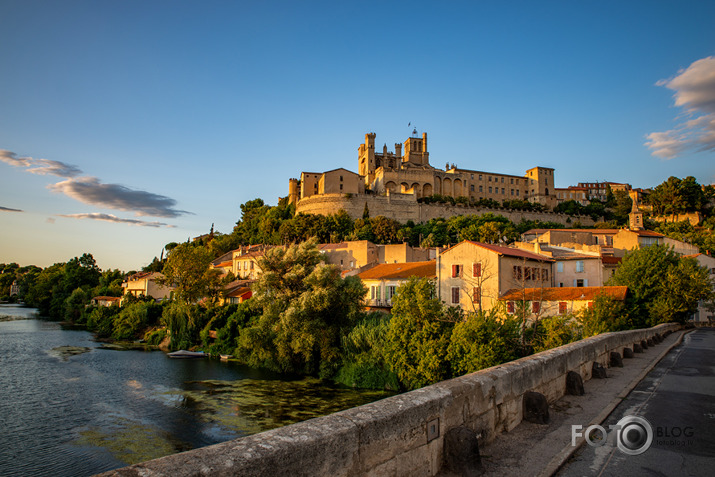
{"x": 418, "y": 337}
{"x": 363, "y": 364}
{"x": 607, "y": 314}
{"x": 662, "y": 286}
{"x": 384, "y": 229}
{"x": 187, "y": 269}
{"x": 306, "y": 310}
{"x": 481, "y": 341}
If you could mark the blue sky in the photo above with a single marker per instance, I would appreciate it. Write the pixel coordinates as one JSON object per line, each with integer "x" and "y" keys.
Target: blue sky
{"x": 128, "y": 125}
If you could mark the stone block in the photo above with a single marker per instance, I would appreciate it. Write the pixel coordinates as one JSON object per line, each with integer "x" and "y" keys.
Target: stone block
{"x": 627, "y": 353}
{"x": 650, "y": 342}
{"x": 536, "y": 408}
{"x": 501, "y": 383}
{"x": 616, "y": 360}
{"x": 574, "y": 384}
{"x": 554, "y": 364}
{"x": 598, "y": 371}
{"x": 644, "y": 344}
{"x": 461, "y": 452}
{"x": 525, "y": 374}
{"x": 637, "y": 348}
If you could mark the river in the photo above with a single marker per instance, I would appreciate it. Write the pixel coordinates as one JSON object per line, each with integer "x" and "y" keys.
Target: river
{"x": 70, "y": 407}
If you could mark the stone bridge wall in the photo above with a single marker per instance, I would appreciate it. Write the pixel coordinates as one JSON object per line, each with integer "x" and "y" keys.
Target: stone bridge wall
{"x": 402, "y": 435}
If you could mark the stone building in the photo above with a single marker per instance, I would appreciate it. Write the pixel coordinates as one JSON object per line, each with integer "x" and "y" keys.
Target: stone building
{"x": 407, "y": 171}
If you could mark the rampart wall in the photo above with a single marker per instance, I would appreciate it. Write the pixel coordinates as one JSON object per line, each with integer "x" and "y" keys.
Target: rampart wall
{"x": 404, "y": 207}
{"x": 402, "y": 435}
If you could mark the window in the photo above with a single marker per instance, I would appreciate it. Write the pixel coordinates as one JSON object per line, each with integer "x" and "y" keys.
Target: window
{"x": 535, "y": 307}
{"x": 456, "y": 271}
{"x": 476, "y": 295}
{"x": 517, "y": 192}
{"x": 490, "y": 178}
{"x": 562, "y": 307}
{"x": 455, "y": 295}
{"x": 502, "y": 180}
{"x": 516, "y": 272}
{"x": 560, "y": 267}
{"x": 375, "y": 292}
{"x": 578, "y": 283}
{"x": 390, "y": 292}
{"x": 476, "y": 270}
{"x": 579, "y": 266}
{"x": 512, "y": 192}
{"x": 472, "y": 176}
{"x": 544, "y": 274}
{"x": 341, "y": 178}
{"x": 472, "y": 187}
{"x": 490, "y": 190}
{"x": 510, "y": 307}
{"x": 480, "y": 177}
{"x": 480, "y": 189}
{"x": 502, "y": 191}
{"x": 512, "y": 180}
{"x": 341, "y": 187}
{"x": 527, "y": 273}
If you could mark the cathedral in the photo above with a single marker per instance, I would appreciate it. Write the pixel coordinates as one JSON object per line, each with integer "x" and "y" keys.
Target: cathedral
{"x": 407, "y": 171}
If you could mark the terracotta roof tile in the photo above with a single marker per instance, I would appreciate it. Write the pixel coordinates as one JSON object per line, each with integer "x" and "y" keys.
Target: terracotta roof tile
{"x": 386, "y": 271}
{"x": 509, "y": 251}
{"x": 564, "y": 293}
{"x": 606, "y": 259}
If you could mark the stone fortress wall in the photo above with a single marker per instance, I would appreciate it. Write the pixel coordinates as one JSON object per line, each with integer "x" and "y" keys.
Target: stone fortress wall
{"x": 404, "y": 207}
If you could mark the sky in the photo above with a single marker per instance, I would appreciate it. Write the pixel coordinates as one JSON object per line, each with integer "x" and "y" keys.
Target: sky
{"x": 128, "y": 125}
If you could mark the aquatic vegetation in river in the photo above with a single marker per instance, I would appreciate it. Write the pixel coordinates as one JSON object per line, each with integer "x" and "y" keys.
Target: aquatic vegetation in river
{"x": 131, "y": 442}
{"x": 250, "y": 406}
{"x": 64, "y": 352}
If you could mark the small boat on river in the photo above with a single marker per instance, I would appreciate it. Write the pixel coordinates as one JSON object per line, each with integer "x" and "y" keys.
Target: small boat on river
{"x": 182, "y": 353}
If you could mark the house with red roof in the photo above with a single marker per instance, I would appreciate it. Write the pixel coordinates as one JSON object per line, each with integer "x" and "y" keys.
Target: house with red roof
{"x": 383, "y": 280}
{"x": 538, "y": 303}
{"x": 474, "y": 275}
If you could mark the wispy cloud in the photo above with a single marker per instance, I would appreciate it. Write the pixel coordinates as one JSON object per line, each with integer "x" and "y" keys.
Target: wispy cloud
{"x": 694, "y": 92}
{"x": 114, "y": 196}
{"x": 90, "y": 190}
{"x": 118, "y": 220}
{"x": 8, "y": 209}
{"x": 39, "y": 166}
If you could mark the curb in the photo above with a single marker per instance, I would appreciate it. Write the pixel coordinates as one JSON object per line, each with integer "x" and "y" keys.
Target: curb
{"x": 560, "y": 459}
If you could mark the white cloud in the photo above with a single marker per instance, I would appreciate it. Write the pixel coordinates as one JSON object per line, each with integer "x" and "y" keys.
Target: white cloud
{"x": 115, "y": 219}
{"x": 39, "y": 166}
{"x": 694, "y": 92}
{"x": 114, "y": 196}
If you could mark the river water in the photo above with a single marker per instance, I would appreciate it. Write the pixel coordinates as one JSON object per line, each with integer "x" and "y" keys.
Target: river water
{"x": 69, "y": 407}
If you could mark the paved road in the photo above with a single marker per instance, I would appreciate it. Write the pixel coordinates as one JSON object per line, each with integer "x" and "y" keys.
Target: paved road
{"x": 677, "y": 398}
